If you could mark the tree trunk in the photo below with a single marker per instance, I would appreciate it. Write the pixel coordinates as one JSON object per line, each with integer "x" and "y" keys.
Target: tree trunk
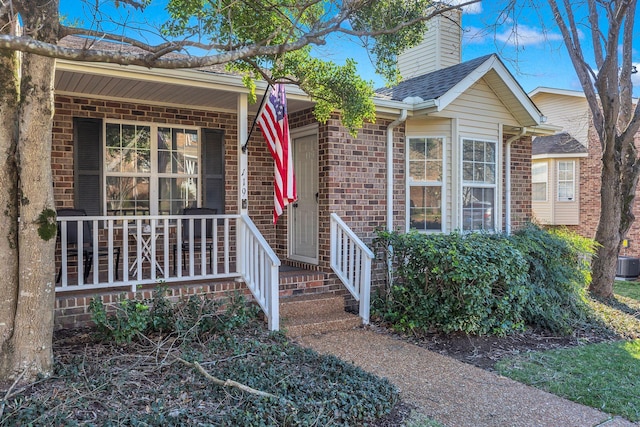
{"x": 608, "y": 234}
{"x": 28, "y": 350}
{"x": 8, "y": 183}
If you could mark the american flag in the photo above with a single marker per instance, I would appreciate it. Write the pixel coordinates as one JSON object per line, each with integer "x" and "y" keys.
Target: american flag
{"x": 274, "y": 125}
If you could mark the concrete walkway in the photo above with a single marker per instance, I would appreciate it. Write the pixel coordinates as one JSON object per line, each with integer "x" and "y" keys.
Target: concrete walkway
{"x": 452, "y": 392}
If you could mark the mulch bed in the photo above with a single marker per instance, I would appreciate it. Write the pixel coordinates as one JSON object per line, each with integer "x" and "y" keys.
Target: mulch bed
{"x": 485, "y": 351}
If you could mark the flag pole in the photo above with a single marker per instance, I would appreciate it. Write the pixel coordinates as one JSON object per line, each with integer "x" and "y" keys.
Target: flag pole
{"x": 255, "y": 119}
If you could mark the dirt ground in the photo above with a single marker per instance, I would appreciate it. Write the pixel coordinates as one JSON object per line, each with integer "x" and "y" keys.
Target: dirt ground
{"x": 485, "y": 351}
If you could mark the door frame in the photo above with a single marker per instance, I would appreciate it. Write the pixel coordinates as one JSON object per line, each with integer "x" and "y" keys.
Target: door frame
{"x": 301, "y": 132}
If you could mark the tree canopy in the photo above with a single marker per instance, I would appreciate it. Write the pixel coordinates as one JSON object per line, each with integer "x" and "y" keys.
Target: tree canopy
{"x": 261, "y": 39}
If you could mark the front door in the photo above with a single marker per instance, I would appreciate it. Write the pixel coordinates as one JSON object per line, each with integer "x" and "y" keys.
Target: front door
{"x": 304, "y": 213}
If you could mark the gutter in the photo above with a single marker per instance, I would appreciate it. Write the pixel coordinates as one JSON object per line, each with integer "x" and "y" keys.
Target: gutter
{"x": 507, "y": 214}
{"x": 392, "y": 125}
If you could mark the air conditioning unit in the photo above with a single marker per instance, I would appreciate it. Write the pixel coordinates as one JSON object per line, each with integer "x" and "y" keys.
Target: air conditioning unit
{"x": 628, "y": 267}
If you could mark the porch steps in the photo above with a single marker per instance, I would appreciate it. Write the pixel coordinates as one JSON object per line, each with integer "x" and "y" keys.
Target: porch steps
{"x": 315, "y": 314}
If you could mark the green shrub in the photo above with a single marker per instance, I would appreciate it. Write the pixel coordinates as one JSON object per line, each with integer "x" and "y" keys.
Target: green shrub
{"x": 473, "y": 283}
{"x": 482, "y": 283}
{"x": 559, "y": 274}
{"x": 189, "y": 318}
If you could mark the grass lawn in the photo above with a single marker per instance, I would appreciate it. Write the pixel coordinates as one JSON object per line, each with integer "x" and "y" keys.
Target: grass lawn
{"x": 605, "y": 376}
{"x": 627, "y": 289}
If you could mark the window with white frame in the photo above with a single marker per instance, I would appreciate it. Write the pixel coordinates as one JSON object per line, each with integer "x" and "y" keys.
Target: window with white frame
{"x": 124, "y": 168}
{"x": 479, "y": 188}
{"x": 539, "y": 179}
{"x": 150, "y": 169}
{"x": 425, "y": 158}
{"x": 566, "y": 180}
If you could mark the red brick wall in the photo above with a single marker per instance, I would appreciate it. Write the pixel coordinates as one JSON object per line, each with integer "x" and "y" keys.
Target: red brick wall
{"x": 590, "y": 168}
{"x": 66, "y": 108}
{"x": 590, "y": 182}
{"x": 520, "y": 183}
{"x": 354, "y": 179}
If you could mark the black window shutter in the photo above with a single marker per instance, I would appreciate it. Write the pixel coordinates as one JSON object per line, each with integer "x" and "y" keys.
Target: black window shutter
{"x": 88, "y": 164}
{"x": 213, "y": 193}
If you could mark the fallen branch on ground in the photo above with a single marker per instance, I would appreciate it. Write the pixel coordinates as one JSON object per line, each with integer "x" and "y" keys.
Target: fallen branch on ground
{"x": 225, "y": 383}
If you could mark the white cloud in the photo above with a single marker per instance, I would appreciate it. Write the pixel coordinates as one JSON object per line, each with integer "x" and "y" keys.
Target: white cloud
{"x": 471, "y": 9}
{"x": 523, "y": 35}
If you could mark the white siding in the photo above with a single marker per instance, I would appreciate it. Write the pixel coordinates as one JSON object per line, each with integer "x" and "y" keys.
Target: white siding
{"x": 569, "y": 112}
{"x": 543, "y": 211}
{"x": 479, "y": 112}
{"x": 439, "y": 49}
{"x": 566, "y": 212}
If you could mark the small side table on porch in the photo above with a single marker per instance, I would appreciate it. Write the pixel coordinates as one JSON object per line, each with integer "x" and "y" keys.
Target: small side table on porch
{"x": 145, "y": 253}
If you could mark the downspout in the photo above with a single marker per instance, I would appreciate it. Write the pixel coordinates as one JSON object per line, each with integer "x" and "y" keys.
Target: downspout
{"x": 507, "y": 179}
{"x": 392, "y": 125}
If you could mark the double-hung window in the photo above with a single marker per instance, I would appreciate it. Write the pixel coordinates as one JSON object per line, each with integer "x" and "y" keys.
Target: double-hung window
{"x": 539, "y": 178}
{"x": 425, "y": 165}
{"x": 150, "y": 169}
{"x": 566, "y": 181}
{"x": 479, "y": 189}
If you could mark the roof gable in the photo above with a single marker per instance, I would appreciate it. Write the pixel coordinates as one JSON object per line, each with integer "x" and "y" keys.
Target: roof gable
{"x": 432, "y": 85}
{"x": 445, "y": 85}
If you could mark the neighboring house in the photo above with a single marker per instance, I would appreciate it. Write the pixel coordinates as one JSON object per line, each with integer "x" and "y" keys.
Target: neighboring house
{"x": 450, "y": 150}
{"x": 555, "y": 180}
{"x": 566, "y": 167}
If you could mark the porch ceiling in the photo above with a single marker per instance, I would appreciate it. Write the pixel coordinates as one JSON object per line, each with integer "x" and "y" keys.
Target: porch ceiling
{"x": 185, "y": 88}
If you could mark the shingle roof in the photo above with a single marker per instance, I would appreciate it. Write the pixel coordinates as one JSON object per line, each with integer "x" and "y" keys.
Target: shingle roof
{"x": 560, "y": 143}
{"x": 434, "y": 84}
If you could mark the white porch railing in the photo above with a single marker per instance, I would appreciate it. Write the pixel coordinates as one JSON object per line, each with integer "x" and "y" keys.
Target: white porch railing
{"x": 129, "y": 251}
{"x": 260, "y": 270}
{"x": 351, "y": 261}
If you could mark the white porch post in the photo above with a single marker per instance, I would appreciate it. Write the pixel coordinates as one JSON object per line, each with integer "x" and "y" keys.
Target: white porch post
{"x": 243, "y": 178}
{"x": 243, "y": 132}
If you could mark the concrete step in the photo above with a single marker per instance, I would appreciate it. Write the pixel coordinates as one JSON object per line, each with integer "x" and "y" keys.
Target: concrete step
{"x": 311, "y": 305}
{"x": 315, "y": 314}
{"x": 310, "y": 325}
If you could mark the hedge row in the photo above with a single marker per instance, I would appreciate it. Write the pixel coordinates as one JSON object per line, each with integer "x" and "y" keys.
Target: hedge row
{"x": 482, "y": 283}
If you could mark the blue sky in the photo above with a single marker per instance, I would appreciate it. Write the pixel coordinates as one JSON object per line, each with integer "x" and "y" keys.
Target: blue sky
{"x": 536, "y": 56}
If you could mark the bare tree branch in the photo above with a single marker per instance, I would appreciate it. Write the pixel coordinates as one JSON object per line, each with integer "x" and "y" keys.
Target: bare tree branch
{"x": 584, "y": 72}
{"x": 155, "y": 55}
{"x": 626, "y": 86}
{"x": 596, "y": 34}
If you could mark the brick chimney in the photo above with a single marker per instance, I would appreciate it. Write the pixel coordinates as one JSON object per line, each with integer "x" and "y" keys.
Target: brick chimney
{"x": 440, "y": 48}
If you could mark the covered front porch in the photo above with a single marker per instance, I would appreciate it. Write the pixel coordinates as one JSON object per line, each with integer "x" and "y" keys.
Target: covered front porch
{"x": 134, "y": 148}
{"x": 135, "y": 253}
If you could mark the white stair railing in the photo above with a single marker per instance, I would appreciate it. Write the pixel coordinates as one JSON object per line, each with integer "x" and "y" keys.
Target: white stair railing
{"x": 351, "y": 261}
{"x": 259, "y": 267}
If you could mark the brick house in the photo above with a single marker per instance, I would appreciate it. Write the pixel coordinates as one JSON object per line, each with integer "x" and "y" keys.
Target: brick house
{"x": 566, "y": 167}
{"x": 133, "y": 147}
